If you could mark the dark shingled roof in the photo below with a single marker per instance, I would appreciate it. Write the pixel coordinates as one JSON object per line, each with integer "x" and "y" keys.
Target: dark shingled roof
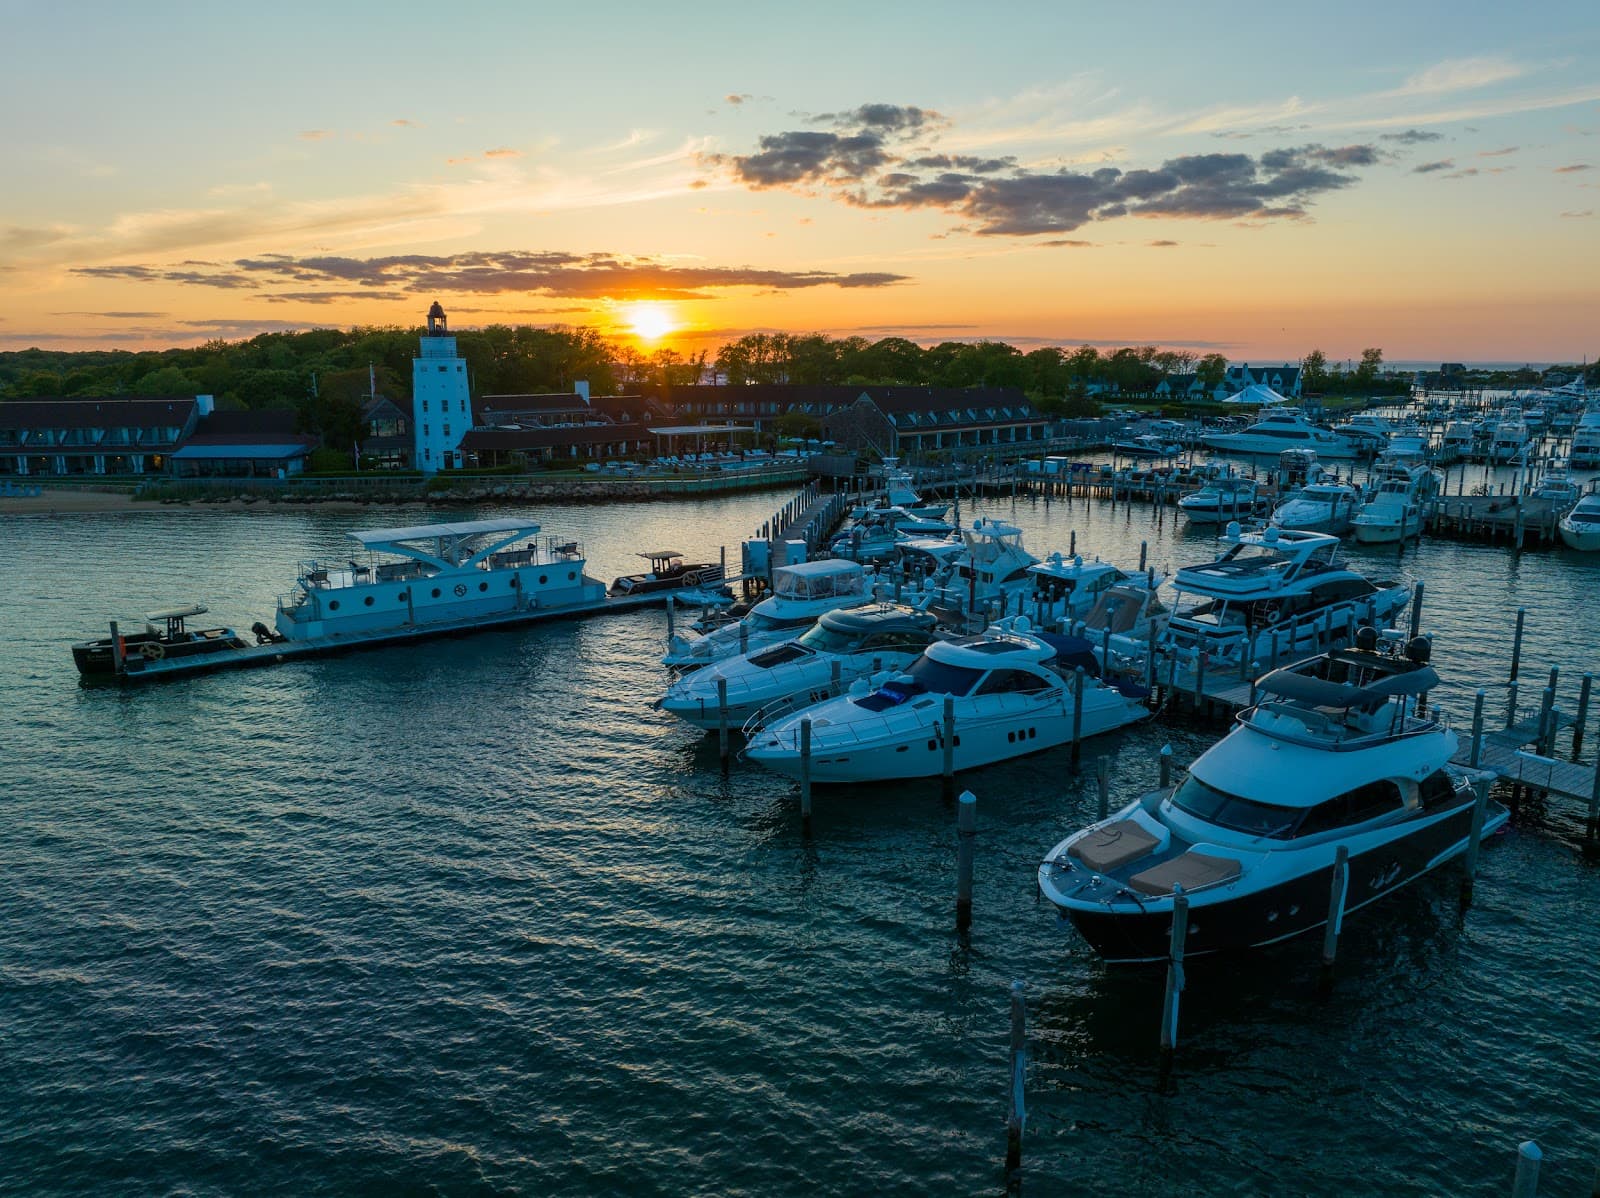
{"x": 95, "y": 413}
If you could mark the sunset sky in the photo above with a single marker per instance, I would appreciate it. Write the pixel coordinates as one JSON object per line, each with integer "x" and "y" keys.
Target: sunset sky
{"x": 1257, "y": 179}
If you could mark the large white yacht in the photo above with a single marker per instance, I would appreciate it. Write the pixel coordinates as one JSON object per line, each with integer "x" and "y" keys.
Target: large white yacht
{"x": 1510, "y": 437}
{"x": 1011, "y": 696}
{"x": 1222, "y": 499}
{"x": 1319, "y": 507}
{"x": 1580, "y": 528}
{"x": 1585, "y": 452}
{"x": 1337, "y": 753}
{"x": 418, "y": 575}
{"x": 991, "y": 569}
{"x": 1394, "y": 511}
{"x": 842, "y": 646}
{"x": 1066, "y": 588}
{"x": 1367, "y": 429}
{"x": 1272, "y": 593}
{"x": 801, "y": 593}
{"x": 1276, "y": 431}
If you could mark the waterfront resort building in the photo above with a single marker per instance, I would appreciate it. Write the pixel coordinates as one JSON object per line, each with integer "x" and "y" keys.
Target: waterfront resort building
{"x": 244, "y": 444}
{"x": 95, "y": 436}
{"x": 441, "y": 406}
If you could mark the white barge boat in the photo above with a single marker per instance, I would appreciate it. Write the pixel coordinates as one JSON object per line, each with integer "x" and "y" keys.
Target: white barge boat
{"x": 418, "y": 581}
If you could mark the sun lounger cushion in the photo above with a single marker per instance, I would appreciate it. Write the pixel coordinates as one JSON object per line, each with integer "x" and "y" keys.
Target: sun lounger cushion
{"x": 1192, "y": 870}
{"x": 1115, "y": 844}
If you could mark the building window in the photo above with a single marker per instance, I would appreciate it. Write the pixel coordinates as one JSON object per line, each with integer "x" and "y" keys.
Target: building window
{"x": 424, "y": 405}
{"x": 447, "y": 430}
{"x": 426, "y": 431}
{"x": 442, "y": 369}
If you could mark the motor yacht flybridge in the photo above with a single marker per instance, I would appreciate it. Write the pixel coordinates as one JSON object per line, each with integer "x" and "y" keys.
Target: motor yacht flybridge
{"x": 1276, "y": 431}
{"x": 801, "y": 593}
{"x": 840, "y": 647}
{"x": 1339, "y": 752}
{"x": 1272, "y": 593}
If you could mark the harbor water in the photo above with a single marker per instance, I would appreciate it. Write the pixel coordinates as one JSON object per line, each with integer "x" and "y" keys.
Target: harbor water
{"x": 471, "y": 917}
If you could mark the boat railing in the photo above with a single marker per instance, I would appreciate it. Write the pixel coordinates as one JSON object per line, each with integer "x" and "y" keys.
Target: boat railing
{"x": 900, "y": 720}
{"x": 1329, "y": 728}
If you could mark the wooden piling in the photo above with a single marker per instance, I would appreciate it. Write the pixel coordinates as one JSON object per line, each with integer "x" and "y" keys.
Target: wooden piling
{"x": 1166, "y": 766}
{"x": 1480, "y": 813}
{"x": 1337, "y": 891}
{"x": 948, "y": 770}
{"x": 1526, "y": 1182}
{"x": 1583, "y": 716}
{"x": 1144, "y": 553}
{"x": 1511, "y": 704}
{"x": 722, "y": 719}
{"x": 670, "y": 606}
{"x": 1017, "y": 1112}
{"x": 118, "y": 660}
{"x": 1594, "y": 804}
{"x": 1077, "y": 714}
{"x": 966, "y": 834}
{"x": 1476, "y": 749}
{"x": 1416, "y": 611}
{"x": 1102, "y": 784}
{"x": 1516, "y": 644}
{"x": 1169, "y": 1006}
{"x": 805, "y": 773}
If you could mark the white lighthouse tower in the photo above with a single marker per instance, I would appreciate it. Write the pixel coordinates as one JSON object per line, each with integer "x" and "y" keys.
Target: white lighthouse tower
{"x": 441, "y": 404}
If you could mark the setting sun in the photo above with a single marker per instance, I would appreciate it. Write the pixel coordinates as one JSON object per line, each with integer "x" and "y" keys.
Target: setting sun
{"x": 650, "y": 322}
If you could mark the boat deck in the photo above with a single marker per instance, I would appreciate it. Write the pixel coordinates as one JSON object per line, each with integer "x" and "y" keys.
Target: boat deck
{"x": 254, "y": 656}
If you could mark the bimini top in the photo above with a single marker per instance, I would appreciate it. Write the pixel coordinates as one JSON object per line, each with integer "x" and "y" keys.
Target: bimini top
{"x": 420, "y": 532}
{"x": 819, "y": 580}
{"x": 1318, "y": 692}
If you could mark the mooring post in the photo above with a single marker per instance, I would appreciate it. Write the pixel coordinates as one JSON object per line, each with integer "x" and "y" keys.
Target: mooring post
{"x": 1511, "y": 704}
{"x": 116, "y": 649}
{"x": 1102, "y": 784}
{"x": 949, "y": 769}
{"x": 1583, "y": 715}
{"x": 805, "y": 773}
{"x": 1169, "y": 1006}
{"x": 1200, "y": 675}
{"x": 1072, "y": 544}
{"x": 1480, "y": 812}
{"x": 670, "y": 606}
{"x": 1077, "y": 714}
{"x": 1336, "y": 897}
{"x": 1166, "y": 766}
{"x": 1144, "y": 552}
{"x": 1416, "y": 611}
{"x": 1477, "y": 729}
{"x": 1594, "y": 804}
{"x": 966, "y": 834}
{"x": 1017, "y": 1114}
{"x": 1516, "y": 644}
{"x": 722, "y": 719}
{"x": 1542, "y": 729}
{"x": 1526, "y": 1182}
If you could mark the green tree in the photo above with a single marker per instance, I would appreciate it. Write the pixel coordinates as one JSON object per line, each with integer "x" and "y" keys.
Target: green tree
{"x": 1211, "y": 370}
{"x": 1314, "y": 371}
{"x": 1367, "y": 373}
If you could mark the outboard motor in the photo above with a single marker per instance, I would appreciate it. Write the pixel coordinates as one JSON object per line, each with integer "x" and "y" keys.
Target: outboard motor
{"x": 265, "y": 635}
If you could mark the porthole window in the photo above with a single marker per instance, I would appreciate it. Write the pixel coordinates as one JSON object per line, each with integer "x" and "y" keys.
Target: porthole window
{"x": 435, "y": 592}
{"x": 333, "y": 605}
{"x": 368, "y": 601}
{"x": 483, "y": 586}
{"x": 543, "y": 578}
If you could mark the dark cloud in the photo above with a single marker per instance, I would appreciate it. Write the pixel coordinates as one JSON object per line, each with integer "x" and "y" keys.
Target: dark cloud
{"x": 860, "y": 165}
{"x": 116, "y": 315}
{"x": 808, "y": 156}
{"x": 885, "y": 118}
{"x": 1161, "y": 244}
{"x": 962, "y": 162}
{"x": 1573, "y": 168}
{"x": 1426, "y": 168}
{"x": 589, "y": 276}
{"x": 1412, "y": 137}
{"x": 1067, "y": 242}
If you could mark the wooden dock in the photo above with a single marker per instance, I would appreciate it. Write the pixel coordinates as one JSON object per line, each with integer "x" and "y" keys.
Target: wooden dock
{"x": 1494, "y": 518}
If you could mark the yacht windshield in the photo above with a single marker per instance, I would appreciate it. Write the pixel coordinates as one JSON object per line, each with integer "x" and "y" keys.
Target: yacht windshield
{"x": 1218, "y": 807}
{"x": 943, "y": 679}
{"x": 821, "y": 639}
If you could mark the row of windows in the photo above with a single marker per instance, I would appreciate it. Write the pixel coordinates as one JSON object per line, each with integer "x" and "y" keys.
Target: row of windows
{"x": 445, "y": 406}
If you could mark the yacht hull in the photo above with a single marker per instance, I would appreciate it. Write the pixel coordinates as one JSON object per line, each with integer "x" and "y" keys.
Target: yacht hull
{"x": 1232, "y": 918}
{"x": 919, "y": 752}
{"x": 1387, "y": 534}
{"x": 1585, "y": 538}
